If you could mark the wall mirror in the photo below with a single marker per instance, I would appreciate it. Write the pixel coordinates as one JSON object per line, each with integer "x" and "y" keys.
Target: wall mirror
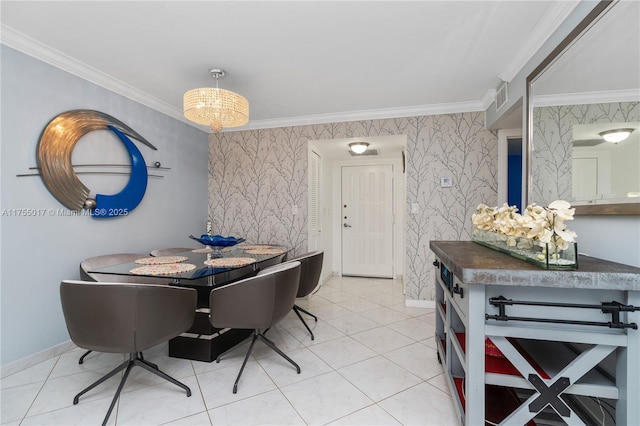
{"x": 589, "y": 85}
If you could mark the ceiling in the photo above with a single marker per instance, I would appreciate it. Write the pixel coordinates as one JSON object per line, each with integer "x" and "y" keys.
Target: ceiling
{"x": 297, "y": 62}
{"x": 604, "y": 59}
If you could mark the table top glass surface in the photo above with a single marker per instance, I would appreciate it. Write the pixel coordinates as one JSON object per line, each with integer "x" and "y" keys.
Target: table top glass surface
{"x": 202, "y": 270}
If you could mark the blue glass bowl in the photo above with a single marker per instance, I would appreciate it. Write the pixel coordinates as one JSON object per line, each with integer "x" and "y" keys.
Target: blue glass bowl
{"x": 217, "y": 240}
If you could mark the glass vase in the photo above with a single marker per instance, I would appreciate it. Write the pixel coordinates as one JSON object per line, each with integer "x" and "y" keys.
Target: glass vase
{"x": 544, "y": 255}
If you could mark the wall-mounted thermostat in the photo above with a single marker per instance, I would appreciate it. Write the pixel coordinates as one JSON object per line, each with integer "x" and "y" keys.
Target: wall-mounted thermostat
{"x": 446, "y": 182}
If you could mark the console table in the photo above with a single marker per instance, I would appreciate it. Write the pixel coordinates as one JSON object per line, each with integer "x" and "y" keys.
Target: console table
{"x": 563, "y": 346}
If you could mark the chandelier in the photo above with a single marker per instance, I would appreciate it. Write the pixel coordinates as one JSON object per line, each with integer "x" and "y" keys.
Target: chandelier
{"x": 214, "y": 107}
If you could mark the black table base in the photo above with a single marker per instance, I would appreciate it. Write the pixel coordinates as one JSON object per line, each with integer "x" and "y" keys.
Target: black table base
{"x": 205, "y": 349}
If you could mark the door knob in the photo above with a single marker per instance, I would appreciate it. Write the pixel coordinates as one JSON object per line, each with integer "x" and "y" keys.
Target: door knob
{"x": 346, "y": 225}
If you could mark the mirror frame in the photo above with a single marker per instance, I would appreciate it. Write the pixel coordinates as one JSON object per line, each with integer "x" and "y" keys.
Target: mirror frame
{"x": 574, "y": 35}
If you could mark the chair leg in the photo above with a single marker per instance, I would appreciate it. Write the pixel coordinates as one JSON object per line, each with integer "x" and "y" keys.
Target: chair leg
{"x": 246, "y": 358}
{"x": 150, "y": 363}
{"x": 134, "y": 359}
{"x": 81, "y": 360}
{"x": 258, "y": 335}
{"x": 275, "y": 348}
{"x": 296, "y": 310}
{"x": 154, "y": 369}
{"x": 231, "y": 348}
{"x": 130, "y": 365}
{"x": 101, "y": 380}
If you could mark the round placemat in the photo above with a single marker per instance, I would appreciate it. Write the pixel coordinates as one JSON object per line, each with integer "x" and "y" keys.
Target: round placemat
{"x": 265, "y": 251}
{"x": 202, "y": 250}
{"x": 230, "y": 262}
{"x": 255, "y": 247}
{"x": 163, "y": 269}
{"x": 160, "y": 260}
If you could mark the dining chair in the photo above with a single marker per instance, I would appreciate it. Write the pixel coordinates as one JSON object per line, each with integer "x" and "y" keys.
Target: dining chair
{"x": 310, "y": 270}
{"x": 106, "y": 260}
{"x": 257, "y": 303}
{"x": 274, "y": 261}
{"x": 125, "y": 318}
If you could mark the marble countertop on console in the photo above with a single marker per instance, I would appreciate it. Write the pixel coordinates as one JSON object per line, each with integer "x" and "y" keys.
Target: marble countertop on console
{"x": 476, "y": 264}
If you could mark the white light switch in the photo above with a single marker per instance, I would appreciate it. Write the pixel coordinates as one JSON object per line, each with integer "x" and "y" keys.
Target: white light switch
{"x": 294, "y": 210}
{"x": 415, "y": 208}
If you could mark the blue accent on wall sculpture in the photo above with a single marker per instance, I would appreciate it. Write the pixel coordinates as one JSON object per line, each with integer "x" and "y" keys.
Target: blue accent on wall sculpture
{"x": 128, "y": 199}
{"x": 54, "y": 161}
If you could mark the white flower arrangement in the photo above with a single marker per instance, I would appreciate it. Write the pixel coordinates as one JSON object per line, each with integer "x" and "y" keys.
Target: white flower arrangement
{"x": 544, "y": 226}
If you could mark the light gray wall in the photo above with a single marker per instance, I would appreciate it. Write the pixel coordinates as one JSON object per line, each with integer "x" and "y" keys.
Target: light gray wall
{"x": 38, "y": 252}
{"x": 614, "y": 238}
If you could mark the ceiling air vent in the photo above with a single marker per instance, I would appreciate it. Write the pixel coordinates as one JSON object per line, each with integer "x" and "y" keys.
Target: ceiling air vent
{"x": 367, "y": 152}
{"x": 501, "y": 95}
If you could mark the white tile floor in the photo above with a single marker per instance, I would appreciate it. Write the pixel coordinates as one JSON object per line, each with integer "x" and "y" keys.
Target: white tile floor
{"x": 372, "y": 362}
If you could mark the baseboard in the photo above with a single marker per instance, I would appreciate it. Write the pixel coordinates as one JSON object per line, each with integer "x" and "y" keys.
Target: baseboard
{"x": 328, "y": 277}
{"x": 427, "y": 304}
{"x": 37, "y": 358}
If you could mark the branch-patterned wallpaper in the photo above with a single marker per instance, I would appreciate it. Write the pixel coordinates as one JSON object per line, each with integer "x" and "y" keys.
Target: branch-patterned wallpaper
{"x": 551, "y": 159}
{"x": 256, "y": 176}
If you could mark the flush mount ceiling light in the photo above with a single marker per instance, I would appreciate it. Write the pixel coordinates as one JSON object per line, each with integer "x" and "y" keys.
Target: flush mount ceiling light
{"x": 214, "y": 107}
{"x": 616, "y": 135}
{"x": 358, "y": 147}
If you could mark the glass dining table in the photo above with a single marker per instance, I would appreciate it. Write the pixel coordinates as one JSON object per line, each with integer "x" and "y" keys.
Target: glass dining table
{"x": 203, "y": 270}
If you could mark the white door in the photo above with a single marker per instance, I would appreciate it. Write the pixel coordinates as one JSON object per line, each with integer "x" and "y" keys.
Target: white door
{"x": 367, "y": 220}
{"x": 315, "y": 203}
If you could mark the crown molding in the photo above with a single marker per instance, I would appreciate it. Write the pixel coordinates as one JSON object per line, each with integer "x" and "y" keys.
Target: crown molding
{"x": 555, "y": 16}
{"x": 21, "y": 42}
{"x": 31, "y": 47}
{"x": 371, "y": 114}
{"x": 601, "y": 97}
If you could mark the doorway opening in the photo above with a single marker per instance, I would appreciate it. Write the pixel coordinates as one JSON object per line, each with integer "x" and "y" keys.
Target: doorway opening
{"x": 511, "y": 158}
{"x": 514, "y": 172}
{"x": 332, "y": 156}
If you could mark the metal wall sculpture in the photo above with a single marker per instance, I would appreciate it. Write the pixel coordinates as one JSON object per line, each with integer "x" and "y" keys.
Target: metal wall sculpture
{"x": 54, "y": 161}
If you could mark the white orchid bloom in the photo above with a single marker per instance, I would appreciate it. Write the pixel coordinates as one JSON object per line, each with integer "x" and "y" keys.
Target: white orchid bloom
{"x": 560, "y": 205}
{"x": 545, "y": 235}
{"x": 562, "y": 209}
{"x": 567, "y": 236}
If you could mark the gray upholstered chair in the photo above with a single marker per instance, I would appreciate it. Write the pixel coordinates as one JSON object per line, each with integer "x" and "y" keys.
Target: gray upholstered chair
{"x": 125, "y": 318}
{"x": 106, "y": 260}
{"x": 257, "y": 303}
{"x": 310, "y": 270}
{"x": 169, "y": 251}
